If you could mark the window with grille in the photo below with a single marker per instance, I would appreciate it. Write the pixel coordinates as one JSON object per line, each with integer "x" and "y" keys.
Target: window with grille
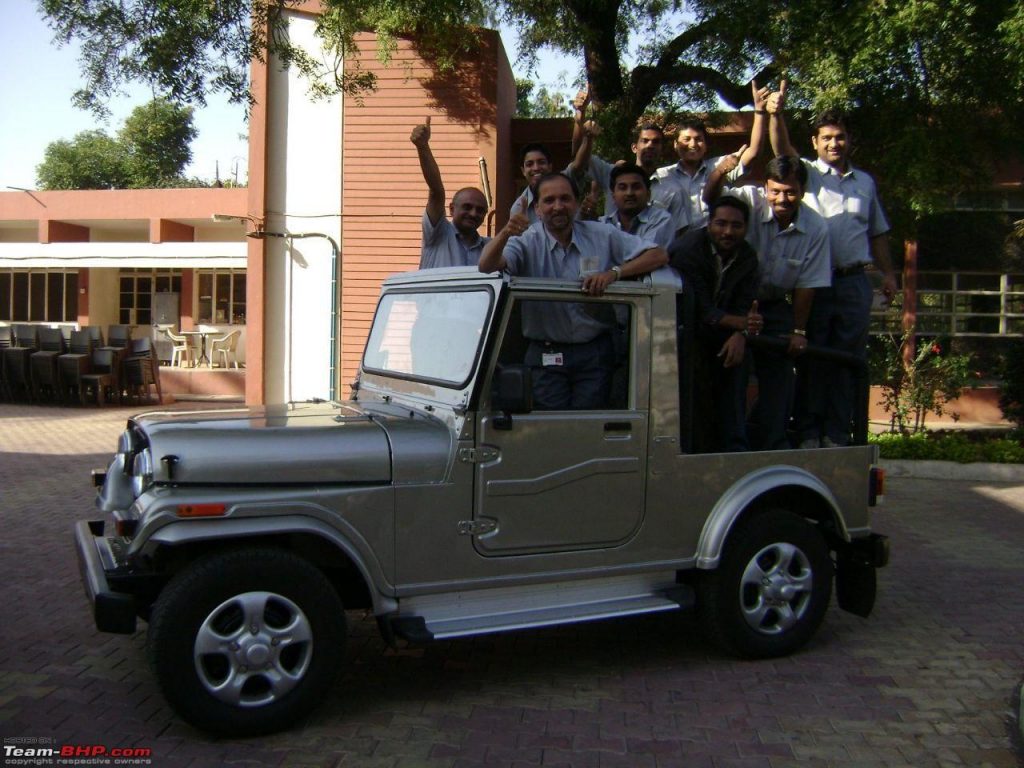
{"x": 221, "y": 296}
{"x": 39, "y": 295}
{"x": 136, "y": 288}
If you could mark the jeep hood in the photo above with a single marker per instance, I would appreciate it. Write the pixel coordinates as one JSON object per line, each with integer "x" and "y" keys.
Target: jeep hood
{"x": 276, "y": 444}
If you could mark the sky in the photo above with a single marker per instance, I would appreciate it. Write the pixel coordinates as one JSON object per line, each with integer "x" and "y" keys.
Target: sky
{"x": 40, "y": 79}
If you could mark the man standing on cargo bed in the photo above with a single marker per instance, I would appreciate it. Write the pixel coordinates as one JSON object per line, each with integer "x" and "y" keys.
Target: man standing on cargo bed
{"x": 455, "y": 243}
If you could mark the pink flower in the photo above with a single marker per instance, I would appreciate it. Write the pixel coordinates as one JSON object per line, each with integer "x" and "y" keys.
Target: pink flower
{"x": 936, "y": 349}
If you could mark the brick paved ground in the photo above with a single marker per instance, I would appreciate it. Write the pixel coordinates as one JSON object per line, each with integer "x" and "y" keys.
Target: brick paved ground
{"x": 928, "y": 680}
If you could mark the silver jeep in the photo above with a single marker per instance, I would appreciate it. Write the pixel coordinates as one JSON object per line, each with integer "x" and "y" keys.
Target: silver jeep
{"x": 439, "y": 499}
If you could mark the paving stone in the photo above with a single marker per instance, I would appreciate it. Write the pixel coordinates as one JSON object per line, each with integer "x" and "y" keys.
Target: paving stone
{"x": 926, "y": 681}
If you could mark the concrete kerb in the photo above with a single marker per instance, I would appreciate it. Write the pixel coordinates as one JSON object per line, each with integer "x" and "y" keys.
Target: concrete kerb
{"x": 951, "y": 470}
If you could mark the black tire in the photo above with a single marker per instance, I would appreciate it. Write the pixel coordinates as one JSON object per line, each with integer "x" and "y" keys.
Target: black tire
{"x": 771, "y": 589}
{"x": 246, "y": 682}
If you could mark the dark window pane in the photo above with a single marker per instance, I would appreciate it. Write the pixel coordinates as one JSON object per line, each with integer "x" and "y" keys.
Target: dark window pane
{"x": 37, "y": 297}
{"x": 5, "y": 296}
{"x": 71, "y": 297}
{"x": 125, "y": 317}
{"x": 20, "y": 297}
{"x": 127, "y": 284}
{"x": 55, "y": 297}
{"x": 143, "y": 317}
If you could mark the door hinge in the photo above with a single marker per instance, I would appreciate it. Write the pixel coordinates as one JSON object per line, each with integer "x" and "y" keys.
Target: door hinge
{"x": 477, "y": 527}
{"x": 479, "y": 455}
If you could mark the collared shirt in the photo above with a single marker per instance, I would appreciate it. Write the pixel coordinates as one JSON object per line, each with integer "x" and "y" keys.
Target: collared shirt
{"x": 689, "y": 207}
{"x": 850, "y": 206}
{"x": 795, "y": 257}
{"x": 720, "y": 288}
{"x": 442, "y": 246}
{"x": 531, "y": 200}
{"x": 652, "y": 223}
{"x": 662, "y": 195}
{"x": 594, "y": 247}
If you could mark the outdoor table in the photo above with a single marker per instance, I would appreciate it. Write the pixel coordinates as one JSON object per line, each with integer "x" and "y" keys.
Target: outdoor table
{"x": 203, "y": 335}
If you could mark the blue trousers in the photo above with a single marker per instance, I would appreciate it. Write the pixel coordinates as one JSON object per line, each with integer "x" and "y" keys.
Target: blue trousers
{"x": 840, "y": 317}
{"x": 775, "y": 377}
{"x": 581, "y": 382}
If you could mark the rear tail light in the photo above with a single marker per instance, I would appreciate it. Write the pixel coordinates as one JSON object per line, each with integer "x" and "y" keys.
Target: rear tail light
{"x": 876, "y": 486}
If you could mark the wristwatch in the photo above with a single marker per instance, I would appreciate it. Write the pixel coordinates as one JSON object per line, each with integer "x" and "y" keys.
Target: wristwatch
{"x": 800, "y": 332}
{"x": 617, "y": 270}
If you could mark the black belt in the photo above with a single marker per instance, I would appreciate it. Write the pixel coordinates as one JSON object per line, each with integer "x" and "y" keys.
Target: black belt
{"x": 853, "y": 269}
{"x": 549, "y": 343}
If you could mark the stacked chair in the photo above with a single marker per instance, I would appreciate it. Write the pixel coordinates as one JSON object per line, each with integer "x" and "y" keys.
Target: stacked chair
{"x": 6, "y": 340}
{"x": 141, "y": 370}
{"x": 17, "y": 367}
{"x": 43, "y": 364}
{"x": 76, "y": 364}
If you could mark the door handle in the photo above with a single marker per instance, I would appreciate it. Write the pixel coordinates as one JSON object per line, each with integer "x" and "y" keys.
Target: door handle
{"x": 618, "y": 427}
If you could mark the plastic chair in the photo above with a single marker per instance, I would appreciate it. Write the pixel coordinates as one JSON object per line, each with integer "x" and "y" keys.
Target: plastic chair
{"x": 75, "y": 364}
{"x": 44, "y": 365}
{"x": 141, "y": 370}
{"x": 103, "y": 381}
{"x": 225, "y": 346}
{"x": 181, "y": 349}
{"x": 119, "y": 335}
{"x": 17, "y": 368}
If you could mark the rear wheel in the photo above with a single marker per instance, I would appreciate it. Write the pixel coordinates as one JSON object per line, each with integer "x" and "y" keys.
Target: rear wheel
{"x": 246, "y": 642}
{"x": 771, "y": 590}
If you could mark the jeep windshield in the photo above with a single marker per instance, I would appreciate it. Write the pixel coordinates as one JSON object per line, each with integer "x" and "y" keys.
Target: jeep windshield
{"x": 430, "y": 336}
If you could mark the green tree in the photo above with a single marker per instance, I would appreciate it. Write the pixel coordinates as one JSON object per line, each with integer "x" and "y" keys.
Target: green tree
{"x": 157, "y": 139}
{"x": 151, "y": 150}
{"x": 91, "y": 160}
{"x": 546, "y": 103}
{"x": 935, "y": 87}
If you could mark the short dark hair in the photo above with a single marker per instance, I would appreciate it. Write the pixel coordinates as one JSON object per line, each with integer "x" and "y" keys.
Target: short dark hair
{"x": 784, "y": 167}
{"x": 647, "y": 127}
{"x": 830, "y": 117}
{"x": 626, "y": 169}
{"x": 551, "y": 177}
{"x": 533, "y": 146}
{"x": 693, "y": 123}
{"x": 729, "y": 201}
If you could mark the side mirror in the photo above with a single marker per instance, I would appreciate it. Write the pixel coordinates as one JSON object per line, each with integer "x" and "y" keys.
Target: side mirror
{"x": 512, "y": 392}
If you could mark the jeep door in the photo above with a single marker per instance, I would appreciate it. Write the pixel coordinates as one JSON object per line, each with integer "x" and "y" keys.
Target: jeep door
{"x": 563, "y": 480}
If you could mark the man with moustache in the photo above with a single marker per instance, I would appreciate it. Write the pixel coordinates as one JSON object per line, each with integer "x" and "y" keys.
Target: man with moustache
{"x": 846, "y": 197}
{"x": 792, "y": 246}
{"x": 570, "y": 349}
{"x": 721, "y": 267}
{"x": 455, "y": 243}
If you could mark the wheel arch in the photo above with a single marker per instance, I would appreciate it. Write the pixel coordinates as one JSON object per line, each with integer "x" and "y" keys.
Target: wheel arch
{"x": 779, "y": 487}
{"x": 360, "y": 583}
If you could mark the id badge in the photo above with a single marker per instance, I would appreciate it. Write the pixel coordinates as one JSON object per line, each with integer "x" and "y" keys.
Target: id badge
{"x": 551, "y": 358}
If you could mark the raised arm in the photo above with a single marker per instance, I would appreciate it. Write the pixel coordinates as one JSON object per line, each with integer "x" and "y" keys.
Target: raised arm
{"x": 757, "y": 130}
{"x": 579, "y": 105}
{"x": 492, "y": 258}
{"x": 420, "y": 137}
{"x": 713, "y": 186}
{"x": 778, "y": 134}
{"x": 580, "y": 164}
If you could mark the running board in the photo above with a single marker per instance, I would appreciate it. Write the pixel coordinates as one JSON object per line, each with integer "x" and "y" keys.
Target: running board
{"x": 480, "y": 615}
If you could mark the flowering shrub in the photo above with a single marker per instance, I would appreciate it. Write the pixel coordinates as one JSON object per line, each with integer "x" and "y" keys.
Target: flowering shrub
{"x": 926, "y": 384}
{"x": 1011, "y": 390}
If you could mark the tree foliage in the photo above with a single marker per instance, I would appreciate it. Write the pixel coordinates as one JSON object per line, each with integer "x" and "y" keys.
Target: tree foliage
{"x": 151, "y": 150}
{"x": 934, "y": 87}
{"x": 543, "y": 103}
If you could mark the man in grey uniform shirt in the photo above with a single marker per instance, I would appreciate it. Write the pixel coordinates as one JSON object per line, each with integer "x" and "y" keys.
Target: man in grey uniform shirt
{"x": 570, "y": 349}
{"x": 630, "y": 191}
{"x": 455, "y": 243}
{"x": 791, "y": 241}
{"x": 847, "y": 199}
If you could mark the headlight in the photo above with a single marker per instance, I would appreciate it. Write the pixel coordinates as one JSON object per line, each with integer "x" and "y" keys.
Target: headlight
{"x": 142, "y": 471}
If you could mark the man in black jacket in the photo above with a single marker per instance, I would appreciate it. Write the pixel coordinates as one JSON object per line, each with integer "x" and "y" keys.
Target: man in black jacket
{"x": 722, "y": 269}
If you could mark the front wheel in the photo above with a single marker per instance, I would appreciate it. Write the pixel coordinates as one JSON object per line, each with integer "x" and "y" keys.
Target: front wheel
{"x": 246, "y": 642}
{"x": 771, "y": 590}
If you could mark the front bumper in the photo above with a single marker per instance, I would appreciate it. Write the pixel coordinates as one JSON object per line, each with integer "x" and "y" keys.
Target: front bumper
{"x": 112, "y": 611}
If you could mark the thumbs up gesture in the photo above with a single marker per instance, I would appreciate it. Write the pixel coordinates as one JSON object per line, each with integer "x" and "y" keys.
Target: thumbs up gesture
{"x": 420, "y": 135}
{"x": 754, "y": 320}
{"x": 520, "y": 220}
{"x": 729, "y": 162}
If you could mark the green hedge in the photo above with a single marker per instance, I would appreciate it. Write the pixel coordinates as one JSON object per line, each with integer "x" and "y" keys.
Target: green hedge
{"x": 946, "y": 446}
